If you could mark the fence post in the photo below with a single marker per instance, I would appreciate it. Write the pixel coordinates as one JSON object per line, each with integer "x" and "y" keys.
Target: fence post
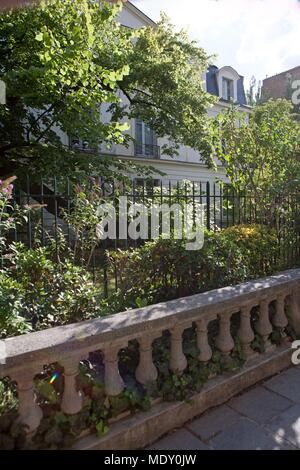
{"x": 208, "y": 205}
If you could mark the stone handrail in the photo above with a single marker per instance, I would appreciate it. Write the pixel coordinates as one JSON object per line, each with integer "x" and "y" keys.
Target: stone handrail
{"x": 23, "y": 357}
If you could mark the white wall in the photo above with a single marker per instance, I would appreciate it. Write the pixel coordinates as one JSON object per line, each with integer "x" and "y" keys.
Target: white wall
{"x": 131, "y": 17}
{"x": 175, "y": 171}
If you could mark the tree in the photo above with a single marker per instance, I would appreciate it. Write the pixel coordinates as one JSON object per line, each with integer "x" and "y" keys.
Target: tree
{"x": 164, "y": 88}
{"x": 262, "y": 153}
{"x": 65, "y": 59}
{"x": 59, "y": 61}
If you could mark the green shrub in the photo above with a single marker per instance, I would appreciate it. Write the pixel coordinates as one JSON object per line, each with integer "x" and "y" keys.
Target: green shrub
{"x": 163, "y": 269}
{"x": 259, "y": 246}
{"x": 11, "y": 306}
{"x": 8, "y": 396}
{"x": 37, "y": 292}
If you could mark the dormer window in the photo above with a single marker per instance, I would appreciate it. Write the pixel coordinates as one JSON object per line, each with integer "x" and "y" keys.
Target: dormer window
{"x": 227, "y": 89}
{"x": 227, "y": 81}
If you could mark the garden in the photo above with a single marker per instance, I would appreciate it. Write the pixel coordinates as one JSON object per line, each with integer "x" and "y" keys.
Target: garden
{"x": 55, "y": 272}
{"x": 52, "y": 282}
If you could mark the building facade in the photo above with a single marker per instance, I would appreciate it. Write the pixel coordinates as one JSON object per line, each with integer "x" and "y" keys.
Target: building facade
{"x": 145, "y": 149}
{"x": 280, "y": 85}
{"x": 224, "y": 83}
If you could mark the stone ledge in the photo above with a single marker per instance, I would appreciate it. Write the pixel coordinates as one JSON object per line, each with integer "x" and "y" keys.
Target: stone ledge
{"x": 56, "y": 343}
{"x": 145, "y": 428}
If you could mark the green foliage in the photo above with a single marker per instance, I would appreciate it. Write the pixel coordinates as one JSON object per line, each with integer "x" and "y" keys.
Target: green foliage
{"x": 58, "y": 430}
{"x": 52, "y": 293}
{"x": 261, "y": 153}
{"x": 64, "y": 60}
{"x": 171, "y": 386}
{"x": 11, "y": 216}
{"x": 259, "y": 247}
{"x": 164, "y": 269}
{"x": 8, "y": 397}
{"x": 12, "y": 299}
{"x": 37, "y": 289}
{"x": 12, "y": 435}
{"x": 258, "y": 344}
{"x": 84, "y": 219}
{"x": 164, "y": 88}
{"x": 41, "y": 290}
{"x": 68, "y": 58}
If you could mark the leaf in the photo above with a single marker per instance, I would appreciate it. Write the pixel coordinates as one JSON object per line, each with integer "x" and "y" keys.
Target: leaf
{"x": 101, "y": 428}
{"x": 39, "y": 37}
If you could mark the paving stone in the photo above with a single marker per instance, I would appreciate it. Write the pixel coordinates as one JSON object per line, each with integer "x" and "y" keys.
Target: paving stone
{"x": 179, "y": 440}
{"x": 287, "y": 425}
{"x": 286, "y": 384}
{"x": 213, "y": 422}
{"x": 260, "y": 404}
{"x": 245, "y": 435}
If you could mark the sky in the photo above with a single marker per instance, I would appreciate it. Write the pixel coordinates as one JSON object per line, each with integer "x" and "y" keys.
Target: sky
{"x": 257, "y": 37}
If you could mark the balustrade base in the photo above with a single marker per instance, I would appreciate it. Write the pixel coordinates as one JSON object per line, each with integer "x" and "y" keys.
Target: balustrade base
{"x": 145, "y": 428}
{"x": 212, "y": 375}
{"x": 251, "y": 355}
{"x": 269, "y": 347}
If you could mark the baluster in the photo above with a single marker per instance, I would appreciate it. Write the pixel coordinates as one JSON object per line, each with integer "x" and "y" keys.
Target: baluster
{"x": 224, "y": 340}
{"x": 263, "y": 325}
{"x": 178, "y": 360}
{"x": 294, "y": 311}
{"x": 202, "y": 339}
{"x": 280, "y": 320}
{"x": 245, "y": 333}
{"x": 114, "y": 384}
{"x": 146, "y": 371}
{"x": 72, "y": 398}
{"x": 30, "y": 414}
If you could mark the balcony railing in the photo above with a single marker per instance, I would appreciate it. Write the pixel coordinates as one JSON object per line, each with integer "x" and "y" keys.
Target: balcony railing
{"x": 82, "y": 148}
{"x": 147, "y": 151}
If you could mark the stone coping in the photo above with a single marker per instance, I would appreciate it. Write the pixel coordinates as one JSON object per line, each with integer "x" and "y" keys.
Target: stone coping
{"x": 78, "y": 339}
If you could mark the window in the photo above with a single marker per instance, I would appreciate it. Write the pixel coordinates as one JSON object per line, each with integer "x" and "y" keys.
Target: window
{"x": 146, "y": 140}
{"x": 227, "y": 89}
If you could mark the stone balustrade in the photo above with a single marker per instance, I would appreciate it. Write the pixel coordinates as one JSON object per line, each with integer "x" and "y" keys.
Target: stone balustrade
{"x": 24, "y": 357}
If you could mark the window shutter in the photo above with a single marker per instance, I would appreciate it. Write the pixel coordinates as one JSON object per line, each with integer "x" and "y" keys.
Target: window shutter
{"x": 139, "y": 131}
{"x": 224, "y": 89}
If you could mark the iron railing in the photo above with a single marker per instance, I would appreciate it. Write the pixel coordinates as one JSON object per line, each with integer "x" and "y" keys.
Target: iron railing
{"x": 222, "y": 206}
{"x": 147, "y": 151}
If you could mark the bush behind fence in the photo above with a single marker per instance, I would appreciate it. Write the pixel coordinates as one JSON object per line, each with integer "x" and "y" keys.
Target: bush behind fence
{"x": 65, "y": 216}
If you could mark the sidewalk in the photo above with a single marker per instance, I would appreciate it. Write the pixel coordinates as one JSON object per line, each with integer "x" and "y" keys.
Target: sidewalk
{"x": 265, "y": 417}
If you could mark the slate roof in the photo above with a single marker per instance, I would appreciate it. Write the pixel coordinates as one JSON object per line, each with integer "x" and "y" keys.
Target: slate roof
{"x": 212, "y": 85}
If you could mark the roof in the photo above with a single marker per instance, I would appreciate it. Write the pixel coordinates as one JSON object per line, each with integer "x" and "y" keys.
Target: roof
{"x": 130, "y": 6}
{"x": 290, "y": 71}
{"x": 213, "y": 88}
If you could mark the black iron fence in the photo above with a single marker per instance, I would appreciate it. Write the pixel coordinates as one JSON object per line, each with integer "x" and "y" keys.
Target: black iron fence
{"x": 65, "y": 211}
